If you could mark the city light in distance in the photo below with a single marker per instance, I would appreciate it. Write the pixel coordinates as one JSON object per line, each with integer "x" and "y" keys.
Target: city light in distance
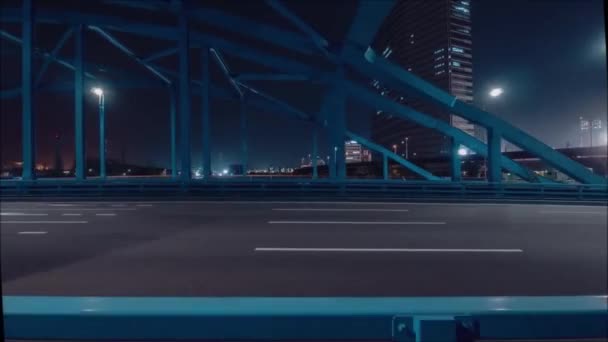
{"x": 496, "y": 92}
{"x": 225, "y": 172}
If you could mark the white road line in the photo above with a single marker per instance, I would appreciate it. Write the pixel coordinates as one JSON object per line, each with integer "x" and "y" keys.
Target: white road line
{"x": 23, "y": 214}
{"x": 572, "y": 212}
{"x": 32, "y": 233}
{"x": 105, "y": 214}
{"x": 340, "y": 209}
{"x": 118, "y": 205}
{"x": 71, "y": 214}
{"x": 359, "y": 222}
{"x": 143, "y": 205}
{"x": 389, "y": 250}
{"x": 73, "y": 209}
{"x": 43, "y": 222}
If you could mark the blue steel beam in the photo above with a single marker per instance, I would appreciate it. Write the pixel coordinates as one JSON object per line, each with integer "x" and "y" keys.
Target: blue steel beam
{"x": 385, "y": 174}
{"x": 159, "y": 55}
{"x": 27, "y": 122}
{"x": 317, "y": 39}
{"x": 184, "y": 97}
{"x": 79, "y": 118}
{"x": 114, "y": 41}
{"x": 53, "y": 55}
{"x": 280, "y": 105}
{"x": 363, "y": 94}
{"x": 368, "y": 18}
{"x": 252, "y": 29}
{"x": 226, "y": 70}
{"x": 396, "y": 78}
{"x": 43, "y": 54}
{"x": 455, "y": 161}
{"x": 273, "y": 77}
{"x": 315, "y": 152}
{"x": 173, "y": 128}
{"x": 205, "y": 108}
{"x": 404, "y": 162}
{"x": 494, "y": 172}
{"x": 243, "y": 134}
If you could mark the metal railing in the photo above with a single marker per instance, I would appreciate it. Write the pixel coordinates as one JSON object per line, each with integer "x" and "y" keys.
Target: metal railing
{"x": 430, "y": 319}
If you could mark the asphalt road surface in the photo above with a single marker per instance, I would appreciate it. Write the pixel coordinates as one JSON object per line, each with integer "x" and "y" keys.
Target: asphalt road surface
{"x": 301, "y": 249}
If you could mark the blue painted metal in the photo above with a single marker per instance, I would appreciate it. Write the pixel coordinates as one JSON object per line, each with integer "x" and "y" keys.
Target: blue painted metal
{"x": 272, "y": 77}
{"x": 456, "y": 170}
{"x": 102, "y": 137}
{"x": 43, "y": 54}
{"x": 342, "y": 318}
{"x": 389, "y": 154}
{"x": 226, "y": 70}
{"x": 244, "y": 150}
{"x": 79, "y": 118}
{"x": 173, "y": 128}
{"x": 184, "y": 97}
{"x": 368, "y": 18}
{"x": 494, "y": 153}
{"x": 160, "y": 54}
{"x": 315, "y": 153}
{"x": 64, "y": 38}
{"x": 399, "y": 79}
{"x": 205, "y": 108}
{"x": 317, "y": 39}
{"x": 27, "y": 122}
{"x": 250, "y": 28}
{"x": 385, "y": 172}
{"x": 122, "y": 47}
{"x": 363, "y": 94}
{"x": 270, "y": 102}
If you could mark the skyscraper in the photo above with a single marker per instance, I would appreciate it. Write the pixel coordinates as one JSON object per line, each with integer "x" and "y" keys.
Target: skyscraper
{"x": 431, "y": 39}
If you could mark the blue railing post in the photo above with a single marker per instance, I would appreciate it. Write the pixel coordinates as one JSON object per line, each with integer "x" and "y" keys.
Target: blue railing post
{"x": 79, "y": 119}
{"x": 315, "y": 171}
{"x": 28, "y": 141}
{"x": 494, "y": 171}
{"x": 455, "y": 161}
{"x": 172, "y": 125}
{"x": 243, "y": 114}
{"x": 102, "y": 137}
{"x": 184, "y": 96}
{"x": 385, "y": 167}
{"x": 205, "y": 107}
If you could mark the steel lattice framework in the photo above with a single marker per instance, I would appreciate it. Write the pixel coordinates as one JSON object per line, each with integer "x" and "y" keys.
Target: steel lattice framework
{"x": 340, "y": 61}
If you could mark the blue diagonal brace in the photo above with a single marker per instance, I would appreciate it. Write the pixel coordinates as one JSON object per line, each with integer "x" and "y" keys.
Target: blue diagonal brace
{"x": 395, "y": 77}
{"x": 122, "y": 47}
{"x": 404, "y": 162}
{"x": 363, "y": 94}
{"x": 160, "y": 54}
{"x": 64, "y": 38}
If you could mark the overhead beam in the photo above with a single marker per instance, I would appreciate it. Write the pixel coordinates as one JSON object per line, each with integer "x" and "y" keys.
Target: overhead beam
{"x": 160, "y": 54}
{"x": 404, "y": 162}
{"x": 122, "y": 47}
{"x": 272, "y": 77}
{"x": 317, "y": 39}
{"x": 363, "y": 94}
{"x": 376, "y": 67}
{"x": 53, "y": 55}
{"x": 258, "y": 95}
{"x": 28, "y": 144}
{"x": 217, "y": 56}
{"x": 369, "y": 17}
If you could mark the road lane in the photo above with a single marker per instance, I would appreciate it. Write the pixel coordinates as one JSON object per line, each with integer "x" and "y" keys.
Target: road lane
{"x": 208, "y": 248}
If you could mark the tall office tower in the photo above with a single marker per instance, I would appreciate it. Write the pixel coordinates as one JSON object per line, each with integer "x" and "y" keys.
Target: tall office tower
{"x": 431, "y": 39}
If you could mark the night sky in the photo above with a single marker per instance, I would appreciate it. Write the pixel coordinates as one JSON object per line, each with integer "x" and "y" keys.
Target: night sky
{"x": 549, "y": 56}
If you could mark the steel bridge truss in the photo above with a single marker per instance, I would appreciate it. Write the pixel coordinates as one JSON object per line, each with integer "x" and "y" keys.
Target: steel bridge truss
{"x": 342, "y": 60}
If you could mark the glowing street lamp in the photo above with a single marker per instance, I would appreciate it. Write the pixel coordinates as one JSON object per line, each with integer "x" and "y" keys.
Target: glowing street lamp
{"x": 496, "y": 92}
{"x": 102, "y": 132}
{"x": 462, "y": 152}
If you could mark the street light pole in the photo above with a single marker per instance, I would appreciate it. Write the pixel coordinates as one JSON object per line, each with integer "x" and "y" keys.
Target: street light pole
{"x": 407, "y": 154}
{"x": 102, "y": 132}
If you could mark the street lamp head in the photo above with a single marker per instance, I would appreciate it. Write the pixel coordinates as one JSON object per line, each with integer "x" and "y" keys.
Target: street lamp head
{"x": 496, "y": 92}
{"x": 462, "y": 151}
{"x": 97, "y": 91}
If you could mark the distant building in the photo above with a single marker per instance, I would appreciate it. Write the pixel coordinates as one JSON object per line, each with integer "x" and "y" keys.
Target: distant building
{"x": 355, "y": 153}
{"x": 431, "y": 39}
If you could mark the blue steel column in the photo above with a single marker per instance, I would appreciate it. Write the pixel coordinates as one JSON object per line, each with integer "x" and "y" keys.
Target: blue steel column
{"x": 335, "y": 114}
{"x": 27, "y": 125}
{"x": 315, "y": 152}
{"x": 102, "y": 137}
{"x": 173, "y": 125}
{"x": 206, "y": 157}
{"x": 455, "y": 162}
{"x": 385, "y": 167}
{"x": 494, "y": 171}
{"x": 184, "y": 96}
{"x": 79, "y": 131}
{"x": 244, "y": 135}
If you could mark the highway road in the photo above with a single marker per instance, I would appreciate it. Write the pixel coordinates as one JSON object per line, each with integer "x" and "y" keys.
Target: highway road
{"x": 209, "y": 248}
